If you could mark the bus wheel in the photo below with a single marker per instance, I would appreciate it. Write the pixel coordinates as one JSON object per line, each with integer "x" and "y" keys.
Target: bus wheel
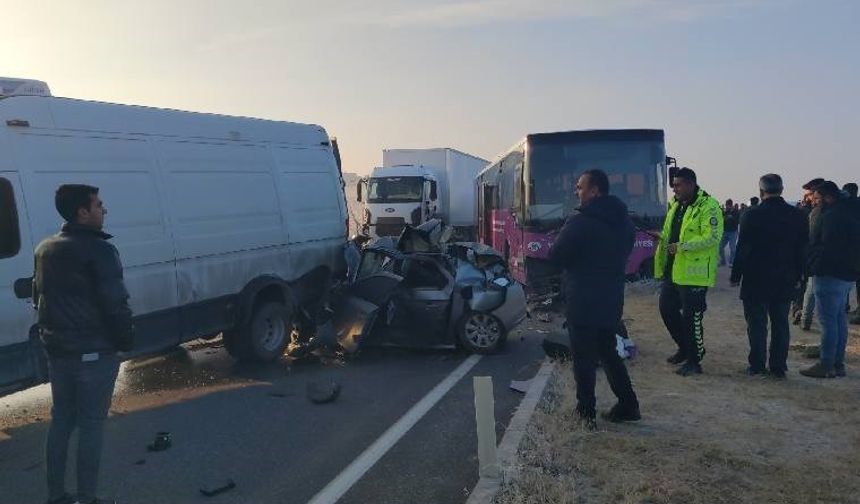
{"x": 481, "y": 333}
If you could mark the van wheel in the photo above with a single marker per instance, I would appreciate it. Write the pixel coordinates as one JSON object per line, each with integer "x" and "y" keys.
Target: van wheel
{"x": 265, "y": 337}
{"x": 481, "y": 333}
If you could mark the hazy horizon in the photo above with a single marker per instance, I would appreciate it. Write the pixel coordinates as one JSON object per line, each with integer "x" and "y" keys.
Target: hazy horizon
{"x": 741, "y": 87}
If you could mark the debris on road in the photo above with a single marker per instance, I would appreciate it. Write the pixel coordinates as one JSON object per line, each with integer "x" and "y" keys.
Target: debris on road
{"x": 162, "y": 442}
{"x": 323, "y": 392}
{"x": 212, "y": 492}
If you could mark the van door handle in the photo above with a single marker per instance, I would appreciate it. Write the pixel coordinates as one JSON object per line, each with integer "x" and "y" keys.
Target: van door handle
{"x": 23, "y": 288}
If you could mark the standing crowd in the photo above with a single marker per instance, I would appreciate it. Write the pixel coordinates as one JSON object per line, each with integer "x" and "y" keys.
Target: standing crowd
{"x": 789, "y": 261}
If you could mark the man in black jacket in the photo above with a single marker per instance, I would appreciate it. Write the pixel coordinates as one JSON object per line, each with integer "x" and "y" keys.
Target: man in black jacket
{"x": 834, "y": 260}
{"x": 770, "y": 262}
{"x": 592, "y": 248}
{"x": 84, "y": 320}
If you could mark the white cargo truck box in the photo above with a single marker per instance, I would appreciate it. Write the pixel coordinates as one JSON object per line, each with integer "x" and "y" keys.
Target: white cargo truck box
{"x": 455, "y": 172}
{"x": 218, "y": 220}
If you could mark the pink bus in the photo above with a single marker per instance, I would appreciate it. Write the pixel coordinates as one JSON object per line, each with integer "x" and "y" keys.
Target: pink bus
{"x": 525, "y": 196}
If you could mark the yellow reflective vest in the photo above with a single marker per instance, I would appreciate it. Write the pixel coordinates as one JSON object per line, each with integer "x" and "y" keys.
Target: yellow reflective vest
{"x": 698, "y": 247}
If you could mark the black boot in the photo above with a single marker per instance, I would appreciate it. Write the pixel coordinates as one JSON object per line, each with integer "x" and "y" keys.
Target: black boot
{"x": 690, "y": 369}
{"x": 620, "y": 413}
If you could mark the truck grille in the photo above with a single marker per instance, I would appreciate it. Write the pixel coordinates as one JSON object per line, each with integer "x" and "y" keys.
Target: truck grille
{"x": 390, "y": 226}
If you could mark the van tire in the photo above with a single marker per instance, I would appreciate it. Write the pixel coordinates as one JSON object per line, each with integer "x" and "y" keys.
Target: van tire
{"x": 481, "y": 333}
{"x": 266, "y": 335}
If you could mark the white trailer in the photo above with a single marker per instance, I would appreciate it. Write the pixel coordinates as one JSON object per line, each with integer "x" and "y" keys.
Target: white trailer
{"x": 220, "y": 221}
{"x": 435, "y": 183}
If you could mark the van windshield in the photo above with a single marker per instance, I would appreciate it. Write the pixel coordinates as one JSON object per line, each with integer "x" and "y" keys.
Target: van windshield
{"x": 395, "y": 189}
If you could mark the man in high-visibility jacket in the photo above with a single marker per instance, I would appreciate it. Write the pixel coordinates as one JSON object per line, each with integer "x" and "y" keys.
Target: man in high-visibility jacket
{"x": 686, "y": 259}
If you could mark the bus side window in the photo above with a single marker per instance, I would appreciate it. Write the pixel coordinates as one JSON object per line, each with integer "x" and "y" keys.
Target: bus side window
{"x": 10, "y": 234}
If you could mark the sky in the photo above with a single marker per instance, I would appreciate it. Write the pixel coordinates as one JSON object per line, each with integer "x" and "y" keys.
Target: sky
{"x": 741, "y": 87}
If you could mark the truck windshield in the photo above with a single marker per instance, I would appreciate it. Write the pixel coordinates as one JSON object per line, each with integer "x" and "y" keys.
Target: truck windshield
{"x": 635, "y": 170}
{"x": 395, "y": 189}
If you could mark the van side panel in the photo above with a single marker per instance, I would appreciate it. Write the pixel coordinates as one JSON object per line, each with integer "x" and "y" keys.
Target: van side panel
{"x": 222, "y": 197}
{"x": 124, "y": 171}
{"x": 309, "y": 189}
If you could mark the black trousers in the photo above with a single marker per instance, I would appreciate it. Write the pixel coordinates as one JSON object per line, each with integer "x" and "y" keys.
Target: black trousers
{"x": 757, "y": 314}
{"x": 590, "y": 345}
{"x": 683, "y": 308}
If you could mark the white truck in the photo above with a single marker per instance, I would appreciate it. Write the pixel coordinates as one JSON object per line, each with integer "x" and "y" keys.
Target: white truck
{"x": 416, "y": 185}
{"x": 224, "y": 224}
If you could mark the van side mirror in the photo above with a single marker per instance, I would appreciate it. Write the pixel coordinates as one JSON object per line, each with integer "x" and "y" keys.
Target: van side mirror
{"x": 432, "y": 189}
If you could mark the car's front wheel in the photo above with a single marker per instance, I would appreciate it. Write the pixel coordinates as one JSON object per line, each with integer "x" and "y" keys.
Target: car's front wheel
{"x": 481, "y": 333}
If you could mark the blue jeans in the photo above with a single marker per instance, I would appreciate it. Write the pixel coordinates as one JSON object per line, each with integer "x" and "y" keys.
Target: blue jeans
{"x": 830, "y": 295}
{"x": 81, "y": 393}
{"x": 730, "y": 238}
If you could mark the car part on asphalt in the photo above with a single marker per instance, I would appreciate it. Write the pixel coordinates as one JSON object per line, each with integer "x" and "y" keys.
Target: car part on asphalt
{"x": 212, "y": 492}
{"x": 323, "y": 392}
{"x": 162, "y": 442}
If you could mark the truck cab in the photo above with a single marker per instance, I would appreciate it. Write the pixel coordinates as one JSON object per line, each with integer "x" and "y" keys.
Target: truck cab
{"x": 395, "y": 196}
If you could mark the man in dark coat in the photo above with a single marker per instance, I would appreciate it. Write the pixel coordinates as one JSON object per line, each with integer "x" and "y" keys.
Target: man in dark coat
{"x": 592, "y": 248}
{"x": 84, "y": 320}
{"x": 834, "y": 261}
{"x": 770, "y": 263}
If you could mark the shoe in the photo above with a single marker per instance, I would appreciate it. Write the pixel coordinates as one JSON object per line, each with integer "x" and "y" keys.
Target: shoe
{"x": 678, "y": 358}
{"x": 65, "y": 499}
{"x": 618, "y": 414}
{"x": 818, "y": 370}
{"x": 690, "y": 369}
{"x": 778, "y": 375}
{"x": 839, "y": 371}
{"x": 751, "y": 371}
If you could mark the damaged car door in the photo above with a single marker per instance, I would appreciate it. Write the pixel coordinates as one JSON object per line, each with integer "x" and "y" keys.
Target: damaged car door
{"x": 419, "y": 311}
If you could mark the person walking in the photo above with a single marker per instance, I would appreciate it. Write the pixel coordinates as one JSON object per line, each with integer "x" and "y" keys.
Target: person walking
{"x": 686, "y": 260}
{"x": 813, "y": 219}
{"x": 834, "y": 260}
{"x": 84, "y": 319}
{"x": 731, "y": 220}
{"x": 592, "y": 248}
{"x": 769, "y": 266}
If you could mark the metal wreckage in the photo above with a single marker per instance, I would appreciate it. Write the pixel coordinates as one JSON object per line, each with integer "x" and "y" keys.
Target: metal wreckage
{"x": 419, "y": 290}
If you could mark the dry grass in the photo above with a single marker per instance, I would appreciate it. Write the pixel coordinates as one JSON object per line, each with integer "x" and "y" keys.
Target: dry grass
{"x": 723, "y": 437}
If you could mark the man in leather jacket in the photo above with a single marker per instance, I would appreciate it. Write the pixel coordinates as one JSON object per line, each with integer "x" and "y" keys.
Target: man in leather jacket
{"x": 84, "y": 321}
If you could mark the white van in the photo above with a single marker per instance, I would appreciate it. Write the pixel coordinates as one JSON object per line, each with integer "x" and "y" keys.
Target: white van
{"x": 224, "y": 224}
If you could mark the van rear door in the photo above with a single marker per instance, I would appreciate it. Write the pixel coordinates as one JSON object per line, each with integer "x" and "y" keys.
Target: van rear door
{"x": 17, "y": 362}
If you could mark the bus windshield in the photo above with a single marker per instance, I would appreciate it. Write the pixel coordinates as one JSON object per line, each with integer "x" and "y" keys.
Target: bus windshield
{"x": 635, "y": 170}
{"x": 395, "y": 189}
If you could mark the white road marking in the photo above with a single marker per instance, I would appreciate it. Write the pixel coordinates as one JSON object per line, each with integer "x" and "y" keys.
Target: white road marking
{"x": 355, "y": 470}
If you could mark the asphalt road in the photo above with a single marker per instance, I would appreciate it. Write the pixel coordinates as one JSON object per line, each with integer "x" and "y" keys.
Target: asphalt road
{"x": 254, "y": 425}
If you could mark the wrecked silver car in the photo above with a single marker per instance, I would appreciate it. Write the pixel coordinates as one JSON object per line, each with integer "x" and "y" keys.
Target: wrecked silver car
{"x": 420, "y": 291}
